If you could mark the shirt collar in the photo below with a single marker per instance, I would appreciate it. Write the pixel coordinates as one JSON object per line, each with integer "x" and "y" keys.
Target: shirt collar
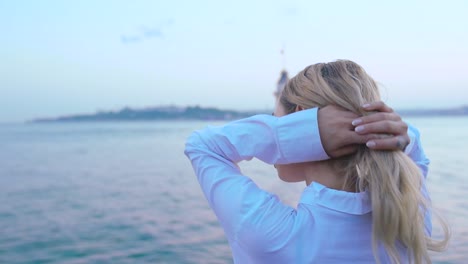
{"x": 346, "y": 202}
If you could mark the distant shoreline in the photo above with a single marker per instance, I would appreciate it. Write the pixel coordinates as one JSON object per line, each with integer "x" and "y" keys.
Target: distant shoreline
{"x": 209, "y": 113}
{"x": 155, "y": 114}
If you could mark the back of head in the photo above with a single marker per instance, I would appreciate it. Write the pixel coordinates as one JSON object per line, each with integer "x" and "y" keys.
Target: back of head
{"x": 343, "y": 83}
{"x": 391, "y": 177}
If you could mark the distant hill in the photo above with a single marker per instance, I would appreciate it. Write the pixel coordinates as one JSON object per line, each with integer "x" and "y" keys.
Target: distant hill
{"x": 200, "y": 113}
{"x": 155, "y": 113}
{"x": 459, "y": 111}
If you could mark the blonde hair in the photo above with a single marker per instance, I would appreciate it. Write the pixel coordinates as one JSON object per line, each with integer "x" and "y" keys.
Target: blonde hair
{"x": 393, "y": 180}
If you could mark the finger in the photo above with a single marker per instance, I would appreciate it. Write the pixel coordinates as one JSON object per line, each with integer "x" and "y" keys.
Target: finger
{"x": 355, "y": 138}
{"x": 393, "y": 143}
{"x": 376, "y": 117}
{"x": 386, "y": 127}
{"x": 377, "y": 106}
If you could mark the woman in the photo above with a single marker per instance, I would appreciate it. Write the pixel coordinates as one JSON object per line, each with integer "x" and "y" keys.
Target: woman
{"x": 362, "y": 204}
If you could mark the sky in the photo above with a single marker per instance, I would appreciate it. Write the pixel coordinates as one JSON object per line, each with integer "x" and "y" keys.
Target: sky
{"x": 72, "y": 57}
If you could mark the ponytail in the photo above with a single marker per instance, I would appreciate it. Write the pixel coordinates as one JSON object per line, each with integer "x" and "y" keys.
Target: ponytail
{"x": 394, "y": 183}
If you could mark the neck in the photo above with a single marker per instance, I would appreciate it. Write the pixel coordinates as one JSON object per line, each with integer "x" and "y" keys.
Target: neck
{"x": 323, "y": 173}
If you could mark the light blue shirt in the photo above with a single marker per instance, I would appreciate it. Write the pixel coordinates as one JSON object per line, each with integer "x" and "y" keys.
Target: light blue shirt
{"x": 328, "y": 226}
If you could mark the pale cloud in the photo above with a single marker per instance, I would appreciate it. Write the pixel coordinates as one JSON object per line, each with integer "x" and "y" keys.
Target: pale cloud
{"x": 147, "y": 32}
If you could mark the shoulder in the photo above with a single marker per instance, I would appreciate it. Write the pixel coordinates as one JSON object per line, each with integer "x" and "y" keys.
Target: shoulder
{"x": 268, "y": 224}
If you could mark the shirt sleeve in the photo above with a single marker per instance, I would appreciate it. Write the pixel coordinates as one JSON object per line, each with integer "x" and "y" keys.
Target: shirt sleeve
{"x": 415, "y": 151}
{"x": 215, "y": 151}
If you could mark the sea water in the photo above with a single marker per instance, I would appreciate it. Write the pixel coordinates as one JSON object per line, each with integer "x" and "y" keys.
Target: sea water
{"x": 125, "y": 193}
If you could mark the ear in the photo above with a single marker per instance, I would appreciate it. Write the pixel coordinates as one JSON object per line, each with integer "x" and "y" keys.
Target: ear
{"x": 298, "y": 108}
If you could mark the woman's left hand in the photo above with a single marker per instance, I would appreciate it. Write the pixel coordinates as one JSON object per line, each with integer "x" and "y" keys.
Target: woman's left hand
{"x": 385, "y": 121}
